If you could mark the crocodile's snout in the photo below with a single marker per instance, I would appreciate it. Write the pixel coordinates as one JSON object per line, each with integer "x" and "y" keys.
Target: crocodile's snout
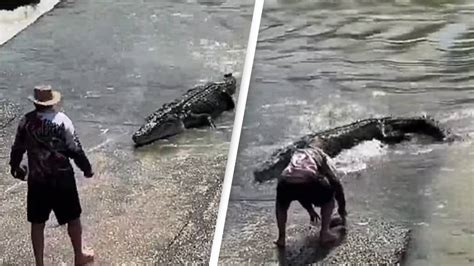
{"x": 140, "y": 137}
{"x": 155, "y": 130}
{"x": 135, "y": 138}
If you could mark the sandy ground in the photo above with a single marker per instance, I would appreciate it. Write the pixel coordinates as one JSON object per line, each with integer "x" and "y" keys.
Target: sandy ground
{"x": 139, "y": 212}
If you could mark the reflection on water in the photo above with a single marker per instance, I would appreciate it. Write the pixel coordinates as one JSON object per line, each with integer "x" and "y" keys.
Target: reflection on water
{"x": 321, "y": 64}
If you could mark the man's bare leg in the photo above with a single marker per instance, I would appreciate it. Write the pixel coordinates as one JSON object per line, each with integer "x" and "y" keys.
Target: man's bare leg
{"x": 326, "y": 236}
{"x": 281, "y": 215}
{"x": 74, "y": 229}
{"x": 37, "y": 239}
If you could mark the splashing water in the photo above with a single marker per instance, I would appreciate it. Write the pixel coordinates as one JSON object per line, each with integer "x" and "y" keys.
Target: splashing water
{"x": 356, "y": 159}
{"x": 13, "y": 22}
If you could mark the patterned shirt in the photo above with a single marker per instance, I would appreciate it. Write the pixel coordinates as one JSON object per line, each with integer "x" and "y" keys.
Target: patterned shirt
{"x": 313, "y": 163}
{"x": 307, "y": 164}
{"x": 50, "y": 140}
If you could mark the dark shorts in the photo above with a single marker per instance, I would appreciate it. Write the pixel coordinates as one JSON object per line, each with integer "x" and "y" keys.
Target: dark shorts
{"x": 61, "y": 197}
{"x": 316, "y": 193}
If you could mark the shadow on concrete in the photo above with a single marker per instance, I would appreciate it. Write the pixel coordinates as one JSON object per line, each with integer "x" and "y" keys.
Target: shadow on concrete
{"x": 308, "y": 250}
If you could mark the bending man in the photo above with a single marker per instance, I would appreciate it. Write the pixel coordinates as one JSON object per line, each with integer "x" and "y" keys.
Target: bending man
{"x": 311, "y": 180}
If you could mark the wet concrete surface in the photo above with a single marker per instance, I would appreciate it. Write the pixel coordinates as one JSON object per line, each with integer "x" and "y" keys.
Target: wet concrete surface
{"x": 144, "y": 211}
{"x": 368, "y": 237}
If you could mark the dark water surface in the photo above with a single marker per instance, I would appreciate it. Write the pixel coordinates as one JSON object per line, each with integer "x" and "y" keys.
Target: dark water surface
{"x": 116, "y": 62}
{"x": 321, "y": 64}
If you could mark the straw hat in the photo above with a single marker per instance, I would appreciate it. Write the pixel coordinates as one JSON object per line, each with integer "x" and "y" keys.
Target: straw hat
{"x": 44, "y": 95}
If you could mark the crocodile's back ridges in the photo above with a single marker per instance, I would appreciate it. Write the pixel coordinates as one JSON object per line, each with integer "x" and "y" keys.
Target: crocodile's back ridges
{"x": 208, "y": 101}
{"x": 202, "y": 95}
{"x": 333, "y": 141}
{"x": 177, "y": 103}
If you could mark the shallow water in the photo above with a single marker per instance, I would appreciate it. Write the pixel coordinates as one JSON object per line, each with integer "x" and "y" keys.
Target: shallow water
{"x": 116, "y": 62}
{"x": 321, "y": 64}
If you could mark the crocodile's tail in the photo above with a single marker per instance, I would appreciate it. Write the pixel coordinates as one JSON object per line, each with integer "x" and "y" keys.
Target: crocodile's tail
{"x": 423, "y": 125}
{"x": 388, "y": 130}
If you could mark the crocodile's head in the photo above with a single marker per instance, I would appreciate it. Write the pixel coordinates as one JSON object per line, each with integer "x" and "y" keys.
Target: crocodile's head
{"x": 158, "y": 128}
{"x": 230, "y": 84}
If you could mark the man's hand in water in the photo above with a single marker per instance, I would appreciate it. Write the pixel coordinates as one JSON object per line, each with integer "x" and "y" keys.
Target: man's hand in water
{"x": 89, "y": 175}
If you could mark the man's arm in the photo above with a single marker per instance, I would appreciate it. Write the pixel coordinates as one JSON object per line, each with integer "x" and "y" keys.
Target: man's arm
{"x": 18, "y": 148}
{"x": 336, "y": 184}
{"x": 75, "y": 151}
{"x": 79, "y": 156}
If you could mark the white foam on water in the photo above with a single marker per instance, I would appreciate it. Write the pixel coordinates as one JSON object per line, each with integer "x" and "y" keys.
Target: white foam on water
{"x": 13, "y": 22}
{"x": 285, "y": 103}
{"x": 378, "y": 93}
{"x": 181, "y": 15}
{"x": 422, "y": 151}
{"x": 92, "y": 95}
{"x": 356, "y": 159}
{"x": 458, "y": 115}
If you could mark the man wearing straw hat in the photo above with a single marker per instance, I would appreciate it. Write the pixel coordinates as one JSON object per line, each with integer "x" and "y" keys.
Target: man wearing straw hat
{"x": 49, "y": 139}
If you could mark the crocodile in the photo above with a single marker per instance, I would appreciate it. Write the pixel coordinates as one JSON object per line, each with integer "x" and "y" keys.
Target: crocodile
{"x": 389, "y": 130}
{"x": 11, "y": 5}
{"x": 197, "y": 107}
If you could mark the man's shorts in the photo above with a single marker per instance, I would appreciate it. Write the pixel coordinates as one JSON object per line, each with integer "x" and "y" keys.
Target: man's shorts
{"x": 317, "y": 192}
{"x": 59, "y": 195}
